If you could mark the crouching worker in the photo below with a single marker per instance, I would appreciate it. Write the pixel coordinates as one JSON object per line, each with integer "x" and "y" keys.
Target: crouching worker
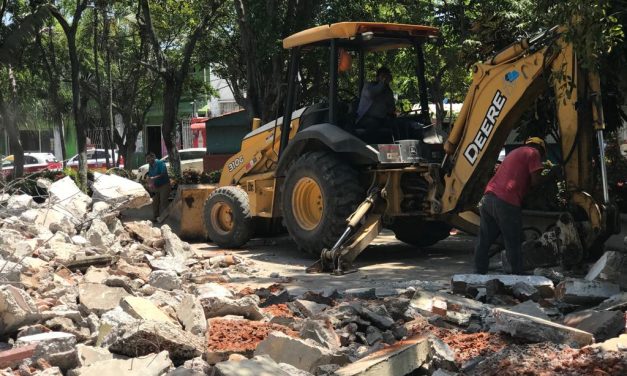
{"x": 158, "y": 184}
{"x": 500, "y": 207}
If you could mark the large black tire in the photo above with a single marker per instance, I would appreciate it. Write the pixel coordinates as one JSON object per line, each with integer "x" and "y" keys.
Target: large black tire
{"x": 340, "y": 194}
{"x": 418, "y": 232}
{"x": 227, "y": 217}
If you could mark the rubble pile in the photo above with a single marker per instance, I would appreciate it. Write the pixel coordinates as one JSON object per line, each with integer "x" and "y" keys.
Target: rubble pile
{"x": 82, "y": 293}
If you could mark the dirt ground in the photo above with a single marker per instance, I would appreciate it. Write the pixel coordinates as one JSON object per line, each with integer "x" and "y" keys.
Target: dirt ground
{"x": 385, "y": 263}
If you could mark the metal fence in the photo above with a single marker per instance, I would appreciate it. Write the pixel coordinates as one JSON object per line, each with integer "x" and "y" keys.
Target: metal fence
{"x": 186, "y": 132}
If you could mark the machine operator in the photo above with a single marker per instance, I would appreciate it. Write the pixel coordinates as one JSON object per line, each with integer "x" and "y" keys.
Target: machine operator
{"x": 376, "y": 104}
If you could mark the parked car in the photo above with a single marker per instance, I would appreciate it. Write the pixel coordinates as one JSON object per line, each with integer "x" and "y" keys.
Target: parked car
{"x": 191, "y": 159}
{"x": 33, "y": 162}
{"x": 97, "y": 160}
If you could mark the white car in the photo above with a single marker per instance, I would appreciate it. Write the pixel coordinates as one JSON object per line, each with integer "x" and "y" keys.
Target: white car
{"x": 191, "y": 159}
{"x": 97, "y": 159}
{"x": 33, "y": 162}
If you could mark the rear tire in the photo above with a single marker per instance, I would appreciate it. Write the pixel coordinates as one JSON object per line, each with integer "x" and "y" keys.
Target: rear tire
{"x": 320, "y": 191}
{"x": 227, "y": 217}
{"x": 418, "y": 232}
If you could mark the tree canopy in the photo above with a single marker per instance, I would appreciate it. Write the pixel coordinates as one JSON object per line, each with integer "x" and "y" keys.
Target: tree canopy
{"x": 102, "y": 60}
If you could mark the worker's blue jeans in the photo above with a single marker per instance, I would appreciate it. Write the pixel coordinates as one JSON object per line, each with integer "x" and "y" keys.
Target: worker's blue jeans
{"x": 499, "y": 217}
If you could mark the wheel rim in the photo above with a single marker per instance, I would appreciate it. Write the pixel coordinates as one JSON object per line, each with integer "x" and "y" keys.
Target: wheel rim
{"x": 222, "y": 218}
{"x": 307, "y": 203}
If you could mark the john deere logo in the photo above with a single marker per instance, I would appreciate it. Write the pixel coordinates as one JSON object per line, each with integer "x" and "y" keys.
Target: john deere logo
{"x": 491, "y": 116}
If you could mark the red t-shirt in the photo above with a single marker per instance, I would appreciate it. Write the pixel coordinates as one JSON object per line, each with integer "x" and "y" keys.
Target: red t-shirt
{"x": 513, "y": 177}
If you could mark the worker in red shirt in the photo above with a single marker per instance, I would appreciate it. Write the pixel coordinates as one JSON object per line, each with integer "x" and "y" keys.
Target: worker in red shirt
{"x": 500, "y": 207}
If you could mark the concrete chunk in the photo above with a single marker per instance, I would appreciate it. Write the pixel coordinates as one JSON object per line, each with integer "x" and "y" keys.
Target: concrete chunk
{"x": 98, "y": 298}
{"x": 309, "y": 308}
{"x": 603, "y": 325}
{"x": 258, "y": 366}
{"x": 583, "y": 292}
{"x": 397, "y": 360}
{"x": 615, "y": 344}
{"x": 302, "y": 354}
{"x": 143, "y": 338}
{"x": 461, "y": 282}
{"x": 17, "y": 308}
{"x": 192, "y": 315}
{"x": 219, "y": 306}
{"x": 616, "y": 302}
{"x": 57, "y": 348}
{"x": 321, "y": 332}
{"x": 149, "y": 365}
{"x": 119, "y": 192}
{"x": 538, "y": 330}
{"x": 611, "y": 267}
{"x": 144, "y": 309}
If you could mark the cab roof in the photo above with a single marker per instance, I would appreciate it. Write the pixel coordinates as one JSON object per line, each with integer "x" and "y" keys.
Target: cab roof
{"x": 385, "y": 35}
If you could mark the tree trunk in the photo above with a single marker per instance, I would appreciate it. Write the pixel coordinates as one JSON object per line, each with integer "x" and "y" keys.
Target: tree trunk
{"x": 81, "y": 134}
{"x": 9, "y": 118}
{"x": 171, "y": 95}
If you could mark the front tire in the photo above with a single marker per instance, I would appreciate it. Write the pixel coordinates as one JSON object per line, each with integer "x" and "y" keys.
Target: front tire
{"x": 418, "y": 232}
{"x": 227, "y": 217}
{"x": 320, "y": 191}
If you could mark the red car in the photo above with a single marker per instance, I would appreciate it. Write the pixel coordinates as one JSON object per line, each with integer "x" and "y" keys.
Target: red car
{"x": 33, "y": 162}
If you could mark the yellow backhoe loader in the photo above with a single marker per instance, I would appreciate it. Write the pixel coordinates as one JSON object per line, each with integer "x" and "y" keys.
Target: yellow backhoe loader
{"x": 334, "y": 185}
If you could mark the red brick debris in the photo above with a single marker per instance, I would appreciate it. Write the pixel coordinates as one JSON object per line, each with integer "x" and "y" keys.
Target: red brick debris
{"x": 240, "y": 335}
{"x": 546, "y": 359}
{"x": 280, "y": 310}
{"x": 471, "y": 345}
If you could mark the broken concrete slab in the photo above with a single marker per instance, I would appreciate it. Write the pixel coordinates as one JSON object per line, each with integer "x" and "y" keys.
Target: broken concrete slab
{"x": 10, "y": 271}
{"x": 461, "y": 282}
{"x": 221, "y": 306}
{"x": 309, "y": 308}
{"x": 538, "y": 330}
{"x": 302, "y": 354}
{"x": 149, "y": 365}
{"x": 583, "y": 292}
{"x": 57, "y": 348}
{"x": 320, "y": 331}
{"x": 88, "y": 355}
{"x": 258, "y": 366}
{"x": 167, "y": 263}
{"x": 67, "y": 197}
{"x": 99, "y": 298}
{"x": 530, "y": 308}
{"x": 119, "y": 192}
{"x": 133, "y": 271}
{"x": 602, "y": 324}
{"x": 192, "y": 315}
{"x": 616, "y": 302}
{"x": 442, "y": 356}
{"x": 524, "y": 291}
{"x": 165, "y": 279}
{"x": 400, "y": 359}
{"x": 95, "y": 275}
{"x": 615, "y": 344}
{"x": 213, "y": 290}
{"x": 98, "y": 234}
{"x": 174, "y": 246}
{"x": 143, "y": 338}
{"x": 144, "y": 309}
{"x": 612, "y": 267}
{"x": 17, "y": 308}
